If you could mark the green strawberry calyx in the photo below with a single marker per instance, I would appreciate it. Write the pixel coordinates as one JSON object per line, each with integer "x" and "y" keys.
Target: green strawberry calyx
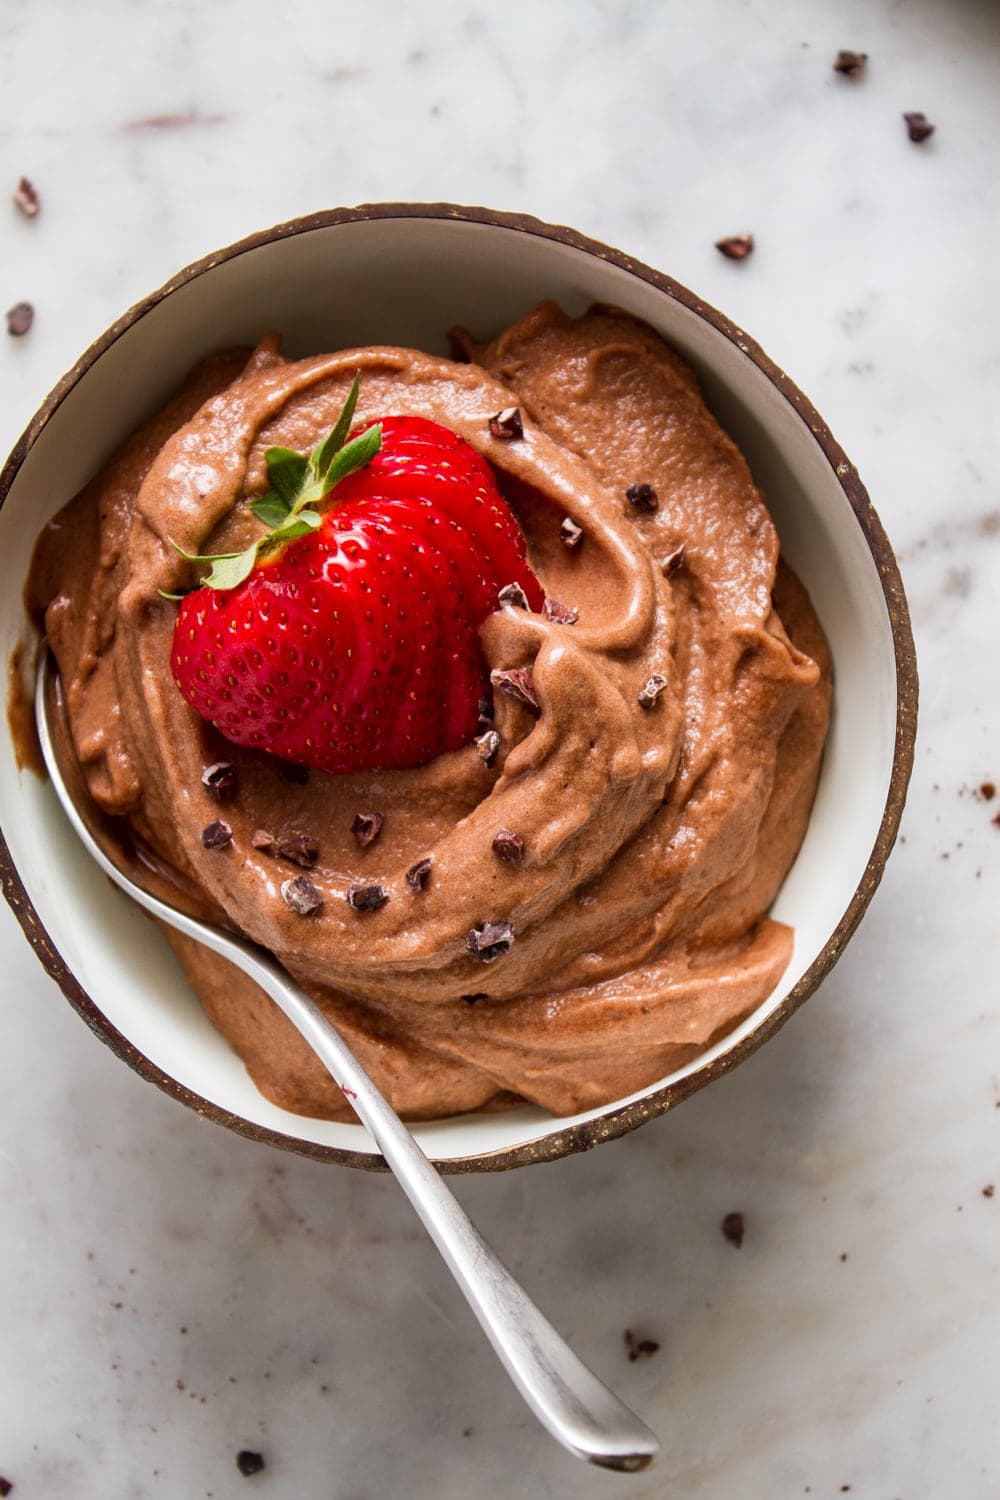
{"x": 299, "y": 483}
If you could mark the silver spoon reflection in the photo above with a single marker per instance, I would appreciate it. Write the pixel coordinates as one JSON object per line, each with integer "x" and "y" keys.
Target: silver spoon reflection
{"x": 577, "y": 1408}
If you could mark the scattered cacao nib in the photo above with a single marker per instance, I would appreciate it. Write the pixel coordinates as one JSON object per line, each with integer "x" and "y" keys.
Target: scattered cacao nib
{"x": 639, "y": 1348}
{"x": 301, "y": 895}
{"x": 642, "y": 497}
{"x": 249, "y": 1462}
{"x": 263, "y": 841}
{"x": 507, "y": 424}
{"x": 221, "y": 780}
{"x": 508, "y": 846}
{"x": 487, "y": 746}
{"x": 513, "y": 593}
{"x": 26, "y": 198}
{"x": 851, "y": 64}
{"x": 560, "y": 614}
{"x": 517, "y": 683}
{"x": 6, "y": 1486}
{"x": 418, "y": 875}
{"x": 733, "y": 1227}
{"x": 654, "y": 687}
{"x": 366, "y": 897}
{"x": 570, "y": 534}
{"x": 490, "y": 940}
{"x": 298, "y": 849}
{"x": 918, "y": 127}
{"x": 291, "y": 771}
{"x": 735, "y": 246}
{"x": 366, "y": 828}
{"x": 674, "y": 562}
{"x": 217, "y": 835}
{"x": 19, "y": 319}
{"x": 989, "y": 1190}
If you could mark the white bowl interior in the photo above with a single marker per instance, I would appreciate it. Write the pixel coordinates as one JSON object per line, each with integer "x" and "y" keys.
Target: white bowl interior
{"x": 406, "y": 281}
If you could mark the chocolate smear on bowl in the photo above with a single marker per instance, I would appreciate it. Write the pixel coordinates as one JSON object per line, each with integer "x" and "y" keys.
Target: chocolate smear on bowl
{"x": 249, "y": 1463}
{"x": 366, "y": 828}
{"x": 642, "y": 498}
{"x": 490, "y": 940}
{"x": 217, "y": 835}
{"x": 418, "y": 875}
{"x": 221, "y": 780}
{"x": 733, "y": 1227}
{"x": 560, "y": 614}
{"x": 674, "y": 562}
{"x": 263, "y": 841}
{"x": 570, "y": 534}
{"x": 639, "y": 1348}
{"x": 26, "y": 198}
{"x": 366, "y": 897}
{"x": 488, "y": 746}
{"x": 513, "y": 593}
{"x": 517, "y": 683}
{"x": 735, "y": 246}
{"x": 19, "y": 319}
{"x": 508, "y": 847}
{"x": 918, "y": 127}
{"x": 507, "y": 425}
{"x": 298, "y": 849}
{"x": 850, "y": 64}
{"x": 301, "y": 895}
{"x": 651, "y": 692}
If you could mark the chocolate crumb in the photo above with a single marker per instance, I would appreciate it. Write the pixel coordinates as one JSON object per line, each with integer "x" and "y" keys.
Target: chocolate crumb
{"x": 517, "y": 683}
{"x": 996, "y": 820}
{"x": 639, "y": 1348}
{"x": 490, "y": 940}
{"x": 249, "y": 1462}
{"x": 487, "y": 746}
{"x": 513, "y": 593}
{"x": 570, "y": 534}
{"x": 366, "y": 897}
{"x": 19, "y": 319}
{"x": 989, "y": 1190}
{"x": 418, "y": 875}
{"x": 262, "y": 840}
{"x": 298, "y": 849}
{"x": 508, "y": 846}
{"x": 301, "y": 895}
{"x": 507, "y": 424}
{"x": 850, "y": 64}
{"x": 26, "y": 198}
{"x": 217, "y": 835}
{"x": 366, "y": 828}
{"x": 6, "y": 1486}
{"x": 735, "y": 246}
{"x": 987, "y": 791}
{"x": 732, "y": 1227}
{"x": 220, "y": 780}
{"x": 560, "y": 614}
{"x": 843, "y": 1254}
{"x": 642, "y": 497}
{"x": 290, "y": 770}
{"x": 651, "y": 692}
{"x": 918, "y": 127}
{"x": 674, "y": 562}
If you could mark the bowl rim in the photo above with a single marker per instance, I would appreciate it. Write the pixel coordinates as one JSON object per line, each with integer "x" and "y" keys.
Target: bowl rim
{"x": 618, "y": 1121}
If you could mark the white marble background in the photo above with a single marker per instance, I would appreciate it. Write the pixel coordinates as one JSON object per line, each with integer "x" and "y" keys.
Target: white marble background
{"x": 170, "y": 1293}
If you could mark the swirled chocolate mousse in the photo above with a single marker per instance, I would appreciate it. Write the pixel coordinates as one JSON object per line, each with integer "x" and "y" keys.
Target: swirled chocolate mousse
{"x": 488, "y": 706}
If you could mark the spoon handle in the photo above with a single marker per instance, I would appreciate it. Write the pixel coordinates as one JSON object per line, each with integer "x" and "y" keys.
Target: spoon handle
{"x": 577, "y": 1408}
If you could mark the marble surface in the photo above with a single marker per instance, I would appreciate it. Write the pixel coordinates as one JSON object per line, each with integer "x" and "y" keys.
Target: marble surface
{"x": 170, "y": 1293}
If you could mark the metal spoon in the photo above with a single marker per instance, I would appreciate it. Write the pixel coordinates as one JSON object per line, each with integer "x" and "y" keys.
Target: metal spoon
{"x": 577, "y": 1408}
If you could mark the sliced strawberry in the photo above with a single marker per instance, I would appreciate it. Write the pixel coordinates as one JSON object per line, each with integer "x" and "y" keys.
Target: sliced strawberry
{"x": 356, "y": 645}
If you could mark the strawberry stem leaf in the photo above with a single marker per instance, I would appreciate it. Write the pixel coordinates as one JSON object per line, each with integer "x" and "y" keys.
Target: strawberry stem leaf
{"x": 324, "y": 453}
{"x": 354, "y": 456}
{"x": 287, "y": 471}
{"x": 271, "y": 509}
